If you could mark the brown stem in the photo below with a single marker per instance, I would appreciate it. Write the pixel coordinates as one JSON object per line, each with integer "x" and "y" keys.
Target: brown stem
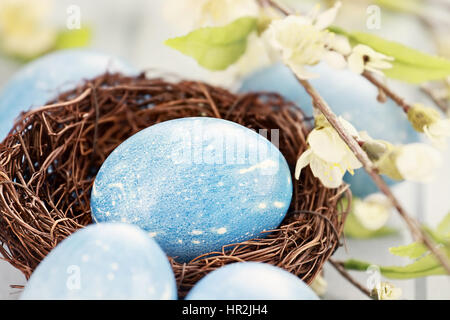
{"x": 416, "y": 231}
{"x": 278, "y": 7}
{"x": 387, "y": 91}
{"x": 367, "y": 164}
{"x": 340, "y": 268}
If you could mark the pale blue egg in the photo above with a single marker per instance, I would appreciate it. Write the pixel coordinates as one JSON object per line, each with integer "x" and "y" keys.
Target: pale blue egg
{"x": 43, "y": 79}
{"x": 251, "y": 281}
{"x": 104, "y": 261}
{"x": 350, "y": 96}
{"x": 195, "y": 185}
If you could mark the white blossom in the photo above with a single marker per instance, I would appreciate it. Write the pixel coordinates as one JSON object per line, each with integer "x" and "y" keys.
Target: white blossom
{"x": 338, "y": 48}
{"x": 328, "y": 156}
{"x": 304, "y": 41}
{"x": 429, "y": 121}
{"x": 373, "y": 211}
{"x": 418, "y": 162}
{"x": 365, "y": 58}
{"x": 438, "y": 132}
{"x": 23, "y": 27}
{"x": 386, "y": 291}
{"x": 193, "y": 14}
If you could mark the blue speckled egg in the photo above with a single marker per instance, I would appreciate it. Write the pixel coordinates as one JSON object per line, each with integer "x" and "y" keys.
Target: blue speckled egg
{"x": 195, "y": 185}
{"x": 351, "y": 97}
{"x": 43, "y": 79}
{"x": 251, "y": 281}
{"x": 104, "y": 261}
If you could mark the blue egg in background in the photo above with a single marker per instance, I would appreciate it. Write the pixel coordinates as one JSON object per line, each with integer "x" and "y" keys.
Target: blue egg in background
{"x": 43, "y": 79}
{"x": 350, "y": 96}
{"x": 104, "y": 261}
{"x": 251, "y": 281}
{"x": 195, "y": 185}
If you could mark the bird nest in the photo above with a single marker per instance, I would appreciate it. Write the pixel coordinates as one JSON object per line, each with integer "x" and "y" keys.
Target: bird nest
{"x": 49, "y": 161}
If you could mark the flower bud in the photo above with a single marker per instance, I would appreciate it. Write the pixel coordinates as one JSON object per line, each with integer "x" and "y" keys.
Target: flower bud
{"x": 422, "y": 117}
{"x": 320, "y": 121}
{"x": 375, "y": 149}
{"x": 387, "y": 164}
{"x": 386, "y": 291}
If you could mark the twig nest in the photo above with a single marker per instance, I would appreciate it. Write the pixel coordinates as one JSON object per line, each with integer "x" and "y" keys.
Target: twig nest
{"x": 50, "y": 159}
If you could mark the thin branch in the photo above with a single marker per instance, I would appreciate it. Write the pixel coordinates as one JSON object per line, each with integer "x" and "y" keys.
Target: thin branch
{"x": 354, "y": 146}
{"x": 414, "y": 227}
{"x": 277, "y": 6}
{"x": 340, "y": 268}
{"x": 387, "y": 91}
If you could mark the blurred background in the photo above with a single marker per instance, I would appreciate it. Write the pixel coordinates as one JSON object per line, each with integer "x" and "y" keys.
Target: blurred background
{"x": 136, "y": 29}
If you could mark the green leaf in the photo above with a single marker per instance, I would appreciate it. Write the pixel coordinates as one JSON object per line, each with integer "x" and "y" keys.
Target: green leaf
{"x": 75, "y": 38}
{"x": 412, "y": 251}
{"x": 354, "y": 229}
{"x": 408, "y": 6}
{"x": 216, "y": 48}
{"x": 410, "y": 65}
{"x": 425, "y": 266}
{"x": 443, "y": 228}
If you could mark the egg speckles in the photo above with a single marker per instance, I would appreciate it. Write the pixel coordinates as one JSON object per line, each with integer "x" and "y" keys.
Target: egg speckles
{"x": 195, "y": 185}
{"x": 251, "y": 281}
{"x": 104, "y": 261}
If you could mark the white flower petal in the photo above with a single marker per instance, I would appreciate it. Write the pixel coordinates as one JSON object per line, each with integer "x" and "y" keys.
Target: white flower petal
{"x": 387, "y": 291}
{"x": 356, "y": 63}
{"x": 340, "y": 44}
{"x": 364, "y": 57}
{"x": 349, "y": 127}
{"x": 327, "y": 144}
{"x": 193, "y": 14}
{"x": 302, "y": 162}
{"x": 335, "y": 60}
{"x": 371, "y": 213}
{"x": 326, "y": 18}
{"x": 351, "y": 162}
{"x": 418, "y": 162}
{"x": 439, "y": 141}
{"x": 380, "y": 64}
{"x": 363, "y": 50}
{"x": 330, "y": 174}
{"x": 441, "y": 128}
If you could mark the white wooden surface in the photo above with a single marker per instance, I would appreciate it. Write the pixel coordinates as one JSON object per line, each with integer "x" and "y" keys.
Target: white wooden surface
{"x": 135, "y": 30}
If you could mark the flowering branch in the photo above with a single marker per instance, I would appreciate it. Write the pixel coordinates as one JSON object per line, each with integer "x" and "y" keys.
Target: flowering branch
{"x": 362, "y": 156}
{"x": 416, "y": 231}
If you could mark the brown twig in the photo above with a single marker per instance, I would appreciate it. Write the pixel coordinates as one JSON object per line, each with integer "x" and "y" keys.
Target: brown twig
{"x": 367, "y": 164}
{"x": 278, "y": 7}
{"x": 341, "y": 269}
{"x": 387, "y": 91}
